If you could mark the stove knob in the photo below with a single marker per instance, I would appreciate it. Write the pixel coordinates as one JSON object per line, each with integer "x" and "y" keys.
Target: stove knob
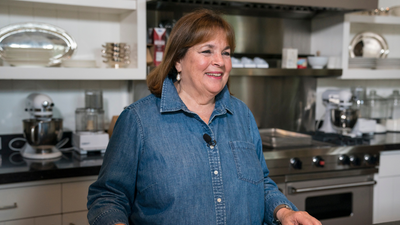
{"x": 318, "y": 161}
{"x": 296, "y": 163}
{"x": 370, "y": 159}
{"x": 354, "y": 160}
{"x": 344, "y": 160}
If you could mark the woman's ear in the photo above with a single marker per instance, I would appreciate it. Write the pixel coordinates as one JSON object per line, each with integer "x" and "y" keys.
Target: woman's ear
{"x": 178, "y": 66}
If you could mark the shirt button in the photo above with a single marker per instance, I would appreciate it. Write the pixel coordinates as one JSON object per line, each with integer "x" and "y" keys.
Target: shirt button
{"x": 212, "y": 146}
{"x": 219, "y": 199}
{"x": 216, "y": 172}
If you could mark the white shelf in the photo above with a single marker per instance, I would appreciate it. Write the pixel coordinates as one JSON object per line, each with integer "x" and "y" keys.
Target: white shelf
{"x": 352, "y": 18}
{"x": 370, "y": 74}
{"x": 54, "y": 73}
{"x": 104, "y": 6}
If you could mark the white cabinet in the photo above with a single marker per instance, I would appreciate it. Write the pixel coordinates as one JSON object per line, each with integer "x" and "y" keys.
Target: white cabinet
{"x": 332, "y": 36}
{"x": 51, "y": 202}
{"x": 78, "y": 218}
{"x": 91, "y": 23}
{"x": 25, "y": 202}
{"x": 386, "y": 197}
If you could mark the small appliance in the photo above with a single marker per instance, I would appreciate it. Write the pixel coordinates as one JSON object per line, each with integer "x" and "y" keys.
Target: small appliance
{"x": 41, "y": 131}
{"x": 89, "y": 121}
{"x": 342, "y": 115}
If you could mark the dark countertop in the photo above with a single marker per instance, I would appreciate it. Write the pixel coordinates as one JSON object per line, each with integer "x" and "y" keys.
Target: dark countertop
{"x": 14, "y": 168}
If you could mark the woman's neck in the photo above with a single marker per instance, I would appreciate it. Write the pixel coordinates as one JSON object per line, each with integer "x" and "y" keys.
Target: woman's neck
{"x": 202, "y": 105}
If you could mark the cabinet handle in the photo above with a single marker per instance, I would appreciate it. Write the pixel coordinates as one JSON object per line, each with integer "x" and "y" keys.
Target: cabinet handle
{"x": 9, "y": 206}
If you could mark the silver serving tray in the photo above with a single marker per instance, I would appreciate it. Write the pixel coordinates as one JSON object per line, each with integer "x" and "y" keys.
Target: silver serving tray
{"x": 278, "y": 138}
{"x": 35, "y": 44}
{"x": 368, "y": 45}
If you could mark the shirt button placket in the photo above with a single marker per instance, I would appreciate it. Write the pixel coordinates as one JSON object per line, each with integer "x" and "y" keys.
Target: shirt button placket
{"x": 217, "y": 184}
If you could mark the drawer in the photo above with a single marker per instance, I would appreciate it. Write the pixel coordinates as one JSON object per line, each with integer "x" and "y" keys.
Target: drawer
{"x": 74, "y": 196}
{"x": 389, "y": 164}
{"x": 33, "y": 201}
{"x": 77, "y": 218}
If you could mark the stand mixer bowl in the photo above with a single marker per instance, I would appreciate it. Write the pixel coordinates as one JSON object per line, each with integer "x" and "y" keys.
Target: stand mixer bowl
{"x": 40, "y": 133}
{"x": 344, "y": 120}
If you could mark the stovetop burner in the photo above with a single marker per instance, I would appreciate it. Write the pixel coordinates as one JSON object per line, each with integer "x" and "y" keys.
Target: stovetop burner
{"x": 338, "y": 139}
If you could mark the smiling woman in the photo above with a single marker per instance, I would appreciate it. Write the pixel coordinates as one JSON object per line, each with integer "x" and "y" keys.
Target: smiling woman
{"x": 189, "y": 153}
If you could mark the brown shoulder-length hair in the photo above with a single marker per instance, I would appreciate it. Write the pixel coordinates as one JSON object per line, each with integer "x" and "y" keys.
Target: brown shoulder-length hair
{"x": 194, "y": 28}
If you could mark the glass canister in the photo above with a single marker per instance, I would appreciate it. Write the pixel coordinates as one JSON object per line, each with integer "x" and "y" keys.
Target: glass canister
{"x": 89, "y": 120}
{"x": 360, "y": 98}
{"x": 378, "y": 106}
{"x": 394, "y": 105}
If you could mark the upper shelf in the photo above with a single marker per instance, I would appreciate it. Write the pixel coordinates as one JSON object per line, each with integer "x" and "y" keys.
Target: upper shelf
{"x": 354, "y": 18}
{"x": 286, "y": 72}
{"x": 56, "y": 73}
{"x": 102, "y": 6}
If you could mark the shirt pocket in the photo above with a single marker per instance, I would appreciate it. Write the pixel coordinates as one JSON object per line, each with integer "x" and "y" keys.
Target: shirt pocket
{"x": 247, "y": 163}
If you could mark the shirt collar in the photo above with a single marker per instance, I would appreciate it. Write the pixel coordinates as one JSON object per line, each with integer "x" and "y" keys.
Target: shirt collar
{"x": 171, "y": 102}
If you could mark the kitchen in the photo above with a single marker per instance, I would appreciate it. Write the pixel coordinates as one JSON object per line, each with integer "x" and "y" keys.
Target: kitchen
{"x": 66, "y": 87}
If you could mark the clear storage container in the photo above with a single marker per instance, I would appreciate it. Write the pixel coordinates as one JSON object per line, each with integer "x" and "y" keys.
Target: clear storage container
{"x": 89, "y": 120}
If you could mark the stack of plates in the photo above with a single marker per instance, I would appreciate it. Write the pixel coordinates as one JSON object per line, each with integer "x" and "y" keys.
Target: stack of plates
{"x": 391, "y": 63}
{"x": 116, "y": 54}
{"x": 364, "y": 63}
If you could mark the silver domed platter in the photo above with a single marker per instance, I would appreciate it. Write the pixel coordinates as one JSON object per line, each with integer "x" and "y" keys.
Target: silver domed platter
{"x": 35, "y": 44}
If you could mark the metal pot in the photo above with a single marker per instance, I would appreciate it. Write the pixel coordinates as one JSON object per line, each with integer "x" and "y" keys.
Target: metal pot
{"x": 43, "y": 132}
{"x": 344, "y": 119}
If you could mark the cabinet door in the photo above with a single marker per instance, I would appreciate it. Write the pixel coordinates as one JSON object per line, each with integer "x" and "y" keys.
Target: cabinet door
{"x": 74, "y": 196}
{"x": 45, "y": 220}
{"x": 31, "y": 201}
{"x": 386, "y": 198}
{"x": 78, "y": 218}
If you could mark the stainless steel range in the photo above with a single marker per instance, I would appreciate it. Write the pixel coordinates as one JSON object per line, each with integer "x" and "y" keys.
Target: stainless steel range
{"x": 331, "y": 181}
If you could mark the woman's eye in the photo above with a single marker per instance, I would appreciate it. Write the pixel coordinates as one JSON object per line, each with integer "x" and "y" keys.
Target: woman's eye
{"x": 226, "y": 53}
{"x": 206, "y": 51}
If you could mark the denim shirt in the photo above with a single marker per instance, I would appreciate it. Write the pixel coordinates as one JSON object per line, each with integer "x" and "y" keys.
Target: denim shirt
{"x": 158, "y": 169}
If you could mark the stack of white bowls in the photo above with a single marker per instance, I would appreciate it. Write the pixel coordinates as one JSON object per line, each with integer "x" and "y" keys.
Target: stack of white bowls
{"x": 116, "y": 54}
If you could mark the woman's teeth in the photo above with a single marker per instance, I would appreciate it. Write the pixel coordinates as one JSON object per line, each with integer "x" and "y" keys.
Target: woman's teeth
{"x": 214, "y": 74}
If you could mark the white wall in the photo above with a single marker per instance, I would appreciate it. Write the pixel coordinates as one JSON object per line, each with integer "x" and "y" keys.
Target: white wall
{"x": 67, "y": 96}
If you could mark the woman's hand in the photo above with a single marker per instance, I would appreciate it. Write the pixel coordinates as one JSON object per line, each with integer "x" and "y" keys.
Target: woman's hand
{"x": 289, "y": 217}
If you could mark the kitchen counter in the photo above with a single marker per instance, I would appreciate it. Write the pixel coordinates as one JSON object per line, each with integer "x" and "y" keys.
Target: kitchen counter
{"x": 14, "y": 168}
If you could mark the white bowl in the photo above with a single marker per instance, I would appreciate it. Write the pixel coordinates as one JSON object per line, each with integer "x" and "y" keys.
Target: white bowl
{"x": 317, "y": 62}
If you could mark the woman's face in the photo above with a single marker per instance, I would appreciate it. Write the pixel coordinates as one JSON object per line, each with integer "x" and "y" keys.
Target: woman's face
{"x": 206, "y": 66}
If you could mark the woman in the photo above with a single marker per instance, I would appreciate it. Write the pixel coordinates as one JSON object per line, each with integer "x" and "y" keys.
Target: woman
{"x": 189, "y": 153}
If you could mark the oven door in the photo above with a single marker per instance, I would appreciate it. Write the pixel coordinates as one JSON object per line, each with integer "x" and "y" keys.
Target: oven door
{"x": 335, "y": 201}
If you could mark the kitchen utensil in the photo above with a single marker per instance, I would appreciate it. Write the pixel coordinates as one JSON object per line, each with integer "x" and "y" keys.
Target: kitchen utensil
{"x": 89, "y": 132}
{"x": 317, "y": 62}
{"x": 41, "y": 131}
{"x": 116, "y": 54}
{"x": 394, "y": 10}
{"x": 368, "y": 45}
{"x": 35, "y": 44}
{"x": 277, "y": 138}
{"x": 344, "y": 119}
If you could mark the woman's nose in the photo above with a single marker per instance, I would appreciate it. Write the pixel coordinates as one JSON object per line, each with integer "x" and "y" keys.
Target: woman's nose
{"x": 218, "y": 60}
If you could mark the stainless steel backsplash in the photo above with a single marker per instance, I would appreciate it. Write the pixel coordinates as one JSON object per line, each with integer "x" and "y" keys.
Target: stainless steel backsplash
{"x": 278, "y": 102}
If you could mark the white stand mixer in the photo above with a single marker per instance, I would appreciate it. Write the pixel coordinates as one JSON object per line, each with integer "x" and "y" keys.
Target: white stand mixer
{"x": 334, "y": 99}
{"x": 341, "y": 117}
{"x": 41, "y": 131}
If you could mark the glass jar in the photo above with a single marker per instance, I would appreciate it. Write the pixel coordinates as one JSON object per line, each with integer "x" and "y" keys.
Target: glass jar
{"x": 89, "y": 120}
{"x": 394, "y": 105}
{"x": 378, "y": 106}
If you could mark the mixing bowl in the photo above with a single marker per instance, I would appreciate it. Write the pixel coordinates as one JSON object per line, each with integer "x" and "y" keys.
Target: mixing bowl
{"x": 344, "y": 119}
{"x": 40, "y": 133}
{"x": 317, "y": 62}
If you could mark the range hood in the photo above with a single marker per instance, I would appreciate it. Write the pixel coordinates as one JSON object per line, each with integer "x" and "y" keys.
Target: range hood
{"x": 296, "y": 9}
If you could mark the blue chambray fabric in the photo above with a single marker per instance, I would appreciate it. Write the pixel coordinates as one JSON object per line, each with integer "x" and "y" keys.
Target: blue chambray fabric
{"x": 158, "y": 169}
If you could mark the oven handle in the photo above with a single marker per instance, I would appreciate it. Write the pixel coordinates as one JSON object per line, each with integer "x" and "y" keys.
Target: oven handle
{"x": 293, "y": 190}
